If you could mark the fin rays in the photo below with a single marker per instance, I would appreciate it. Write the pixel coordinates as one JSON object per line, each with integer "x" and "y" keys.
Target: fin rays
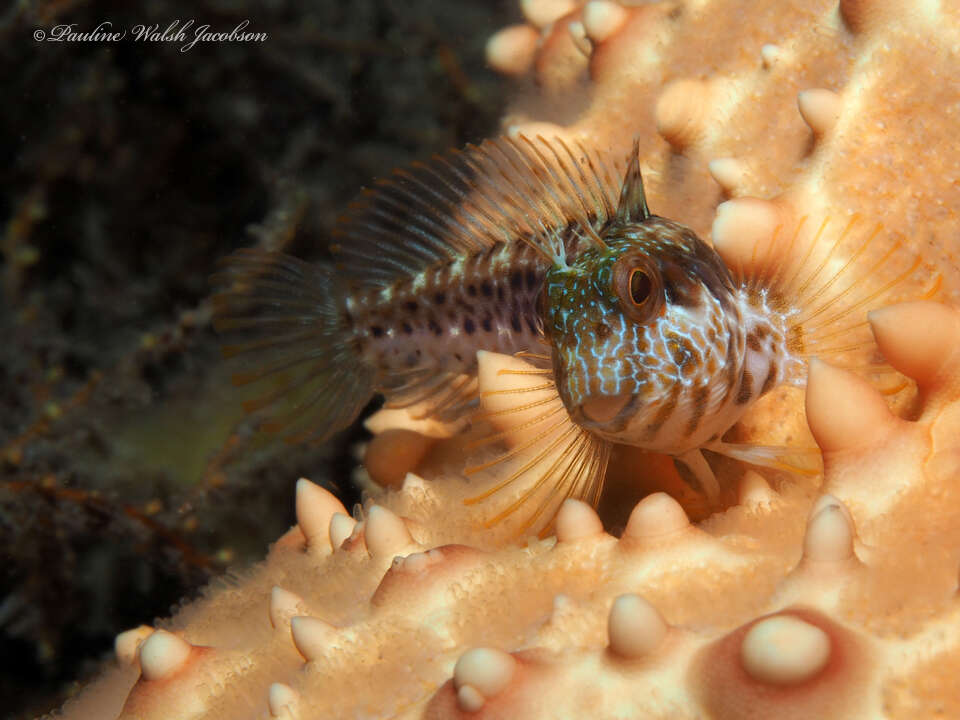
{"x": 799, "y": 460}
{"x": 547, "y": 457}
{"x": 537, "y": 191}
{"x": 838, "y": 277}
{"x": 444, "y": 396}
{"x": 285, "y": 329}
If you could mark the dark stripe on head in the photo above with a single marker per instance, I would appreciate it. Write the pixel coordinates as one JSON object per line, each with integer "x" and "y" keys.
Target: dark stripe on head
{"x": 679, "y": 289}
{"x": 700, "y": 397}
{"x": 664, "y": 413}
{"x": 771, "y": 378}
{"x": 746, "y": 388}
{"x": 731, "y": 364}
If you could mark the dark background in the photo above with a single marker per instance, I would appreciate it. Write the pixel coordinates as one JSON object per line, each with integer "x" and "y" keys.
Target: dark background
{"x": 128, "y": 474}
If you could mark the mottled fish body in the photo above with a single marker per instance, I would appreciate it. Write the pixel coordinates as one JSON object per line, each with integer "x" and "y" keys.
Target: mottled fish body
{"x": 440, "y": 317}
{"x": 644, "y": 336}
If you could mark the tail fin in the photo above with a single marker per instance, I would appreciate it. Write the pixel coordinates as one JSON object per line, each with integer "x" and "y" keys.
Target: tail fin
{"x": 284, "y": 321}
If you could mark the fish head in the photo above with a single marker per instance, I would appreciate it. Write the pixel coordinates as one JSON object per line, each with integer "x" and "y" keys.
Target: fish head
{"x": 638, "y": 328}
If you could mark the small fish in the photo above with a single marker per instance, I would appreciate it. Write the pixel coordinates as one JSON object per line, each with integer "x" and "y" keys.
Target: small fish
{"x": 642, "y": 333}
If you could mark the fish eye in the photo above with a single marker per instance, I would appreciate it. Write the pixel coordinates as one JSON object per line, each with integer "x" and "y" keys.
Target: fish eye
{"x": 640, "y": 286}
{"x": 635, "y": 280}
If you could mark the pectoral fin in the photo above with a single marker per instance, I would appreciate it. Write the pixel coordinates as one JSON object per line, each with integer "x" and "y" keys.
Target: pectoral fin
{"x": 800, "y": 460}
{"x": 534, "y": 455}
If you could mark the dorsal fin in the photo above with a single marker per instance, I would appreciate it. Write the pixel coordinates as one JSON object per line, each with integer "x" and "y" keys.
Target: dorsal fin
{"x": 502, "y": 191}
{"x": 633, "y": 200}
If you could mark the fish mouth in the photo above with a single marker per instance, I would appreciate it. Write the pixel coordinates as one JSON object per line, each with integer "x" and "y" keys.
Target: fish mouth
{"x": 602, "y": 409}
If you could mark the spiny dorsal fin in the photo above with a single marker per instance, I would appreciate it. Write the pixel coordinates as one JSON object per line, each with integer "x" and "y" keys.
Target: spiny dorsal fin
{"x": 633, "y": 200}
{"x": 506, "y": 190}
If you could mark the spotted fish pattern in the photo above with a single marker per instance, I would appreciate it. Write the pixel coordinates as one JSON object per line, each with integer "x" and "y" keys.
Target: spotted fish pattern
{"x": 642, "y": 334}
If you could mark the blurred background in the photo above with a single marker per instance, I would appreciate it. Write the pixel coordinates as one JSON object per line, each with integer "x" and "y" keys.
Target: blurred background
{"x": 129, "y": 476}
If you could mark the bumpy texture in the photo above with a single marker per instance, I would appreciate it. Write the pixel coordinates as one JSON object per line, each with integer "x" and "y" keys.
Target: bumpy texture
{"x": 833, "y": 596}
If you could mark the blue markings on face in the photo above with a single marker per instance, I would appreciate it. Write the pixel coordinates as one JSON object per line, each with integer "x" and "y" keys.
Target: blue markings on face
{"x": 636, "y": 325}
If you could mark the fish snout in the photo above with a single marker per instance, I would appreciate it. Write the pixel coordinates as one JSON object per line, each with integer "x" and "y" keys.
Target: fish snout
{"x": 602, "y": 409}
